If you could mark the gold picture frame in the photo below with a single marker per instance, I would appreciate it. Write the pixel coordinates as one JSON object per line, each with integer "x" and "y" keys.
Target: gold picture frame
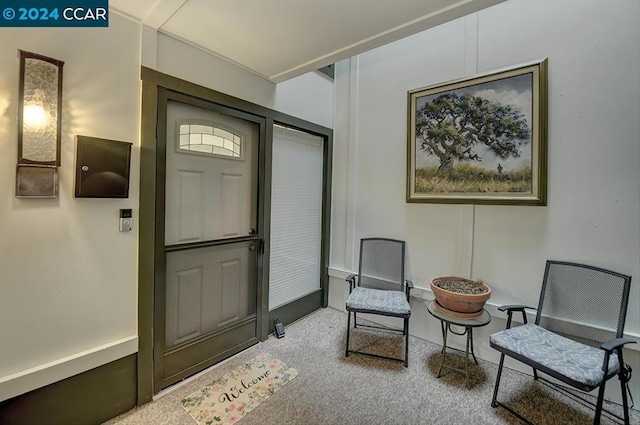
{"x": 480, "y": 140}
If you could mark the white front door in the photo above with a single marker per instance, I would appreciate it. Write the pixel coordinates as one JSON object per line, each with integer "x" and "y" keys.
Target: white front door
{"x": 211, "y": 239}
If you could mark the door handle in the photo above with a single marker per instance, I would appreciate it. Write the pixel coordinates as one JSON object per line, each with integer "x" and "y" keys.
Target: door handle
{"x": 252, "y": 247}
{"x": 252, "y": 231}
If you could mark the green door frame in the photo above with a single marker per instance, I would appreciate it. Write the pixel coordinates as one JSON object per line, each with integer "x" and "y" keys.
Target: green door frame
{"x": 152, "y": 82}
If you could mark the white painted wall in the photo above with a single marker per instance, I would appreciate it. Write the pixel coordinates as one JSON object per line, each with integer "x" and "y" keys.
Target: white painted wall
{"x": 68, "y": 287}
{"x": 182, "y": 60}
{"x": 68, "y": 284}
{"x": 594, "y": 155}
{"x": 309, "y": 96}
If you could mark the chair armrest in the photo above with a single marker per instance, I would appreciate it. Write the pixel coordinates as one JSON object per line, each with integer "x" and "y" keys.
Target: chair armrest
{"x": 609, "y": 347}
{"x": 612, "y": 344}
{"x": 515, "y": 307}
{"x": 352, "y": 281}
{"x": 408, "y": 287}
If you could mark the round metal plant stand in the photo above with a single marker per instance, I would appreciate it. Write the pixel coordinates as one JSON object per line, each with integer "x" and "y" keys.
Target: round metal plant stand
{"x": 446, "y": 321}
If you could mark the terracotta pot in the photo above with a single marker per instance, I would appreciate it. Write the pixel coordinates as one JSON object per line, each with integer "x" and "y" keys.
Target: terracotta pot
{"x": 467, "y": 305}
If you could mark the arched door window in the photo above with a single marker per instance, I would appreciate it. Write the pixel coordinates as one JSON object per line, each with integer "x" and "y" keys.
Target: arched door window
{"x": 209, "y": 139}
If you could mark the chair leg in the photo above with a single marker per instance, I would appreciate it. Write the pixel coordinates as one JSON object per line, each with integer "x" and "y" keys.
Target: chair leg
{"x": 406, "y": 342}
{"x": 494, "y": 402}
{"x": 348, "y": 329}
{"x": 623, "y": 381}
{"x": 623, "y": 389}
{"x": 625, "y": 402}
{"x": 596, "y": 419}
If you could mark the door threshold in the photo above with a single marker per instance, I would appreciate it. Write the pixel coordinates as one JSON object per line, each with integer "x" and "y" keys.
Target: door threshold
{"x": 185, "y": 381}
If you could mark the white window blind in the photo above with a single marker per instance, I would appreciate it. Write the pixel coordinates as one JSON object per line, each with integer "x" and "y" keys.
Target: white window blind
{"x": 296, "y": 216}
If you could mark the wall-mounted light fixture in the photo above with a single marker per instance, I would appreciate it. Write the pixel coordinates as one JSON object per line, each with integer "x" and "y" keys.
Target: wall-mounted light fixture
{"x": 39, "y": 125}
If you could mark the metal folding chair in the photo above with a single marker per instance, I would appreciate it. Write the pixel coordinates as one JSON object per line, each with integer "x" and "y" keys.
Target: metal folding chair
{"x": 577, "y": 337}
{"x": 380, "y": 288}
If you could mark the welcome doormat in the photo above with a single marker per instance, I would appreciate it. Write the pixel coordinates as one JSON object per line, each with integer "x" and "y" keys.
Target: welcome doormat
{"x": 230, "y": 397}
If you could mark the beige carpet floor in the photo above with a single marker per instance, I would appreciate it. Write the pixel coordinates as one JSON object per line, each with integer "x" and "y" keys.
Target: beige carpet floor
{"x": 332, "y": 389}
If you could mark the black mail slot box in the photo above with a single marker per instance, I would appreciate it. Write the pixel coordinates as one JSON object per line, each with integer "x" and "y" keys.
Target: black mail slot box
{"x": 102, "y": 168}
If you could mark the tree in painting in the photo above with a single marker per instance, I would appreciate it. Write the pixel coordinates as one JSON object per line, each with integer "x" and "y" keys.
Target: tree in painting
{"x": 452, "y": 126}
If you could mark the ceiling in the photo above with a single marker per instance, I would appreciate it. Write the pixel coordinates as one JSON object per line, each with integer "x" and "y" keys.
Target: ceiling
{"x": 281, "y": 39}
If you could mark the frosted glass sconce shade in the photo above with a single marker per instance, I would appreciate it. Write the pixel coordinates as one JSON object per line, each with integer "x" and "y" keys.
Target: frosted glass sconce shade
{"x": 39, "y": 119}
{"x": 39, "y": 115}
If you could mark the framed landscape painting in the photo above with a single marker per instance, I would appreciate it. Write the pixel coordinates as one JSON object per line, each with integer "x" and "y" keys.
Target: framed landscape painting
{"x": 480, "y": 140}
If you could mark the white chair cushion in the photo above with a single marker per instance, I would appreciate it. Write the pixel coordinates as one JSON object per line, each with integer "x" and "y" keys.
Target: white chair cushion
{"x": 388, "y": 303}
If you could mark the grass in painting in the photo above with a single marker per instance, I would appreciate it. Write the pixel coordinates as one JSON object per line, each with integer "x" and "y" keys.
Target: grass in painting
{"x": 465, "y": 178}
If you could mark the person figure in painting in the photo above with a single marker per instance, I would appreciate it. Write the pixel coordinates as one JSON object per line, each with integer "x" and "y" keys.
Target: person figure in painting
{"x": 499, "y": 169}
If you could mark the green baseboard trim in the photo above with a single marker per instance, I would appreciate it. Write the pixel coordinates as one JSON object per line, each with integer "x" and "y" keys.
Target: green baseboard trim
{"x": 92, "y": 397}
{"x": 296, "y": 309}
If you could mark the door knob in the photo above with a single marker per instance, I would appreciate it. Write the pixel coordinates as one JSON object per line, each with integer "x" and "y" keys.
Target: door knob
{"x": 252, "y": 231}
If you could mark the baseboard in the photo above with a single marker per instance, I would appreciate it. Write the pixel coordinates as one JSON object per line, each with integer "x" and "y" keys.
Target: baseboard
{"x": 42, "y": 375}
{"x": 91, "y": 397}
{"x": 296, "y": 309}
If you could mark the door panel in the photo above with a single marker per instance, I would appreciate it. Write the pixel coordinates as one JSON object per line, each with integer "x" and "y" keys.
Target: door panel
{"x": 209, "y": 196}
{"x": 192, "y": 358}
{"x": 190, "y": 214}
{"x": 231, "y": 204}
{"x": 208, "y": 289}
{"x": 207, "y": 308}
